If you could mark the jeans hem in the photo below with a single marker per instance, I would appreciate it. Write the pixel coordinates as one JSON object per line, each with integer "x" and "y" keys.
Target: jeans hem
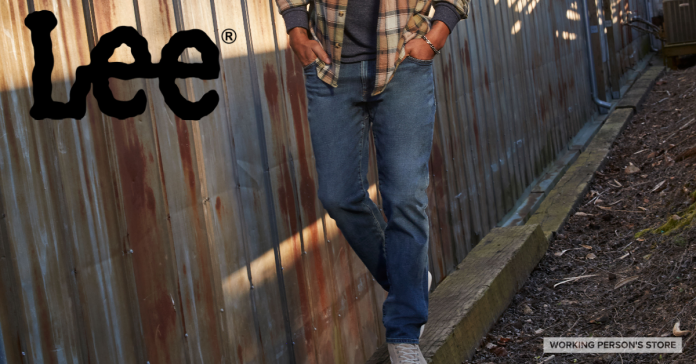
{"x": 402, "y": 341}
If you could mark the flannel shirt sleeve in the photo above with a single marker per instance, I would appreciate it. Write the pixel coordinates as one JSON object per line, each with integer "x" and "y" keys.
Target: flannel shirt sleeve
{"x": 294, "y": 13}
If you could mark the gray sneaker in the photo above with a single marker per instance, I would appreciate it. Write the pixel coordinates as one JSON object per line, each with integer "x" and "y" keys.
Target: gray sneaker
{"x": 430, "y": 281}
{"x": 405, "y": 354}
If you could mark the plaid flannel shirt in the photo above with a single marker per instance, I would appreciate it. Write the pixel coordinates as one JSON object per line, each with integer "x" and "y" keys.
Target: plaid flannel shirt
{"x": 399, "y": 22}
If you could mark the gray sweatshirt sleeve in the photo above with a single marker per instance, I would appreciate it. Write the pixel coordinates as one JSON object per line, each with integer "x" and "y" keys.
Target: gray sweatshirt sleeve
{"x": 446, "y": 13}
{"x": 295, "y": 17}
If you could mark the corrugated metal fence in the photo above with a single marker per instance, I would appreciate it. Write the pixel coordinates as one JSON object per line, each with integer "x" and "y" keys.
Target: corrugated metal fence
{"x": 161, "y": 240}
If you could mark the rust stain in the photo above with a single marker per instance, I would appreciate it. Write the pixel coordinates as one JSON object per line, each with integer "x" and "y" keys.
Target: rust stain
{"x": 218, "y": 208}
{"x": 161, "y": 170}
{"x": 472, "y": 96}
{"x": 345, "y": 304}
{"x": 286, "y": 202}
{"x": 150, "y": 258}
{"x": 166, "y": 312}
{"x": 164, "y": 10}
{"x": 203, "y": 284}
{"x": 487, "y": 81}
{"x": 296, "y": 88}
{"x": 270, "y": 82}
{"x": 307, "y": 187}
{"x": 103, "y": 11}
{"x": 187, "y": 161}
{"x": 307, "y": 196}
{"x": 42, "y": 308}
{"x": 447, "y": 75}
{"x": 439, "y": 184}
{"x": 439, "y": 258}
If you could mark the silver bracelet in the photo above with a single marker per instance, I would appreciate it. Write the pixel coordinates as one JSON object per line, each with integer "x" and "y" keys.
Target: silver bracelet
{"x": 430, "y": 44}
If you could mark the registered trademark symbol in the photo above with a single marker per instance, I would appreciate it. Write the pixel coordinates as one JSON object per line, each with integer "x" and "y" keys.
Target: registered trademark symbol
{"x": 229, "y": 36}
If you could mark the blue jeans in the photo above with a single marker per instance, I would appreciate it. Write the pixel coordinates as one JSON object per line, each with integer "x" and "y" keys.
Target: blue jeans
{"x": 402, "y": 119}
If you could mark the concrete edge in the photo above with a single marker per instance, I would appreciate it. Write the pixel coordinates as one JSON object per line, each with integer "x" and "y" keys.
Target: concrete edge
{"x": 470, "y": 300}
{"x": 635, "y": 96}
{"x": 483, "y": 288}
{"x": 555, "y": 209}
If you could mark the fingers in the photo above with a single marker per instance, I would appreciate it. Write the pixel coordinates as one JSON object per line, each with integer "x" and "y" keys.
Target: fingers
{"x": 319, "y": 52}
{"x": 306, "y": 56}
{"x": 419, "y": 49}
{"x": 407, "y": 48}
{"x": 303, "y": 53}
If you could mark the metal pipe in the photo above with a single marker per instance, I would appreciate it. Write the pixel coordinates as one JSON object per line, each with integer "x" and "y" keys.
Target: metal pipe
{"x": 603, "y": 105}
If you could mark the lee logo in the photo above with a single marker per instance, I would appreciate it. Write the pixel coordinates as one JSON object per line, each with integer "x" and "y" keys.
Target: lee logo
{"x": 97, "y": 73}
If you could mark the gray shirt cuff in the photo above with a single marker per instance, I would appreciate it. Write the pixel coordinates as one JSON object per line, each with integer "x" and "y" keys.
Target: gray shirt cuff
{"x": 447, "y": 14}
{"x": 296, "y": 17}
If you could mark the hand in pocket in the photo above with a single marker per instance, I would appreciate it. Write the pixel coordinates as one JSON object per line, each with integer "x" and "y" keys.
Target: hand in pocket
{"x": 307, "y": 50}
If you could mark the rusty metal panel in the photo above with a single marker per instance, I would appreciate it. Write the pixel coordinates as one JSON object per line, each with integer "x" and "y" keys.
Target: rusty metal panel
{"x": 35, "y": 233}
{"x": 482, "y": 121}
{"x": 464, "y": 109}
{"x": 100, "y": 260}
{"x": 221, "y": 202}
{"x": 515, "y": 58}
{"x": 497, "y": 111}
{"x": 173, "y": 241}
{"x": 178, "y": 151}
{"x": 280, "y": 182}
{"x": 499, "y": 15}
{"x": 446, "y": 156}
{"x": 306, "y": 260}
{"x": 246, "y": 107}
{"x": 442, "y": 204}
{"x": 515, "y": 54}
{"x": 143, "y": 203}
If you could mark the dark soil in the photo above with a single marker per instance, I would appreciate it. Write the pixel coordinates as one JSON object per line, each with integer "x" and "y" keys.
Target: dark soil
{"x": 641, "y": 285}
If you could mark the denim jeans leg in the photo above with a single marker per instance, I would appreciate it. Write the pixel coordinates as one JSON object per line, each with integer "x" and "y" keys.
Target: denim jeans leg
{"x": 339, "y": 128}
{"x": 404, "y": 117}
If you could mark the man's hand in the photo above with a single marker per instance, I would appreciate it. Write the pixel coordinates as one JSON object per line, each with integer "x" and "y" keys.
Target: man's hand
{"x": 307, "y": 50}
{"x": 419, "y": 49}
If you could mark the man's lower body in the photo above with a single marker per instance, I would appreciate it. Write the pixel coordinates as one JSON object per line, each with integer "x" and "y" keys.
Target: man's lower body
{"x": 402, "y": 119}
